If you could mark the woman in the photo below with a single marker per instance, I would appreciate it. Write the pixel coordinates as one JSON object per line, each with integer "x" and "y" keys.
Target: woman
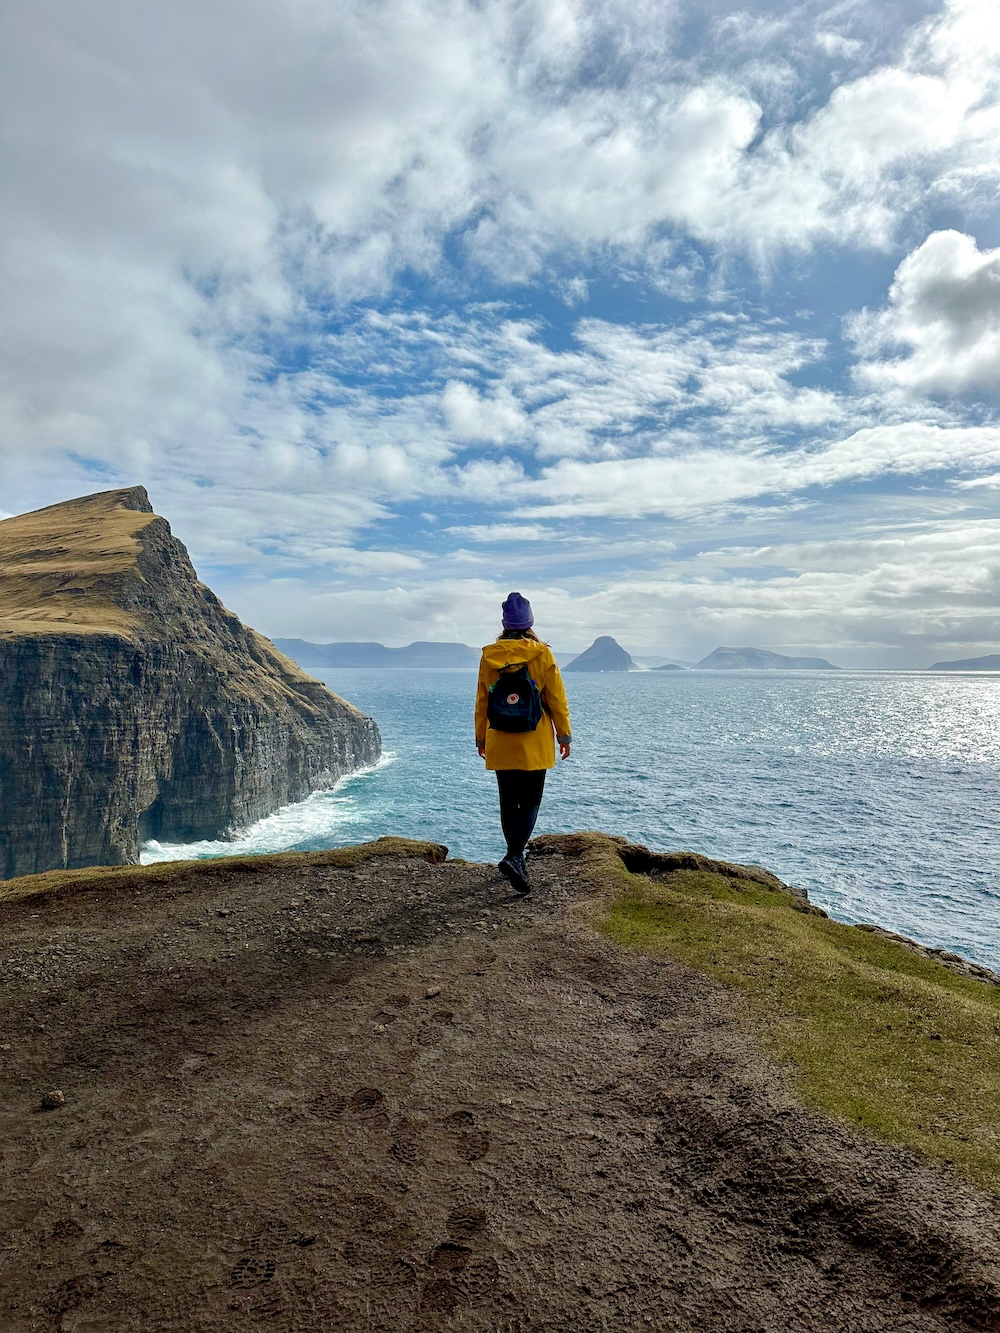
{"x": 520, "y": 758}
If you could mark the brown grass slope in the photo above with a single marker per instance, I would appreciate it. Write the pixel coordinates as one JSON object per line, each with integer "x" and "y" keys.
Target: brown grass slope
{"x": 78, "y": 567}
{"x": 62, "y": 567}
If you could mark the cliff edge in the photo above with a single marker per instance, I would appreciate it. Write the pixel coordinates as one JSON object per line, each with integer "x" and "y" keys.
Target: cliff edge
{"x": 133, "y": 704}
{"x": 364, "y": 1089}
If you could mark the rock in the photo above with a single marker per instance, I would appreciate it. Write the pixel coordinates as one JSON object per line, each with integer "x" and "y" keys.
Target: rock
{"x": 51, "y": 1101}
{"x": 133, "y": 705}
{"x": 604, "y": 654}
{"x": 431, "y": 992}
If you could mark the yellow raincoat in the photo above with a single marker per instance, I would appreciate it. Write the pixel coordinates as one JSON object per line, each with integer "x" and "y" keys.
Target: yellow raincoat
{"x": 523, "y": 749}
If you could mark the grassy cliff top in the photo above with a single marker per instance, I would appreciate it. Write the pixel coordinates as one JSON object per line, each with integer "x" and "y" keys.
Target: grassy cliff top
{"x": 874, "y": 1030}
{"x": 106, "y": 564}
{"x": 58, "y": 565}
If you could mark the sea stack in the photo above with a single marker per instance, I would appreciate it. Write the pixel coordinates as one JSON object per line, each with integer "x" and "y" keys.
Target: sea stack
{"x": 604, "y": 654}
{"x": 133, "y": 704}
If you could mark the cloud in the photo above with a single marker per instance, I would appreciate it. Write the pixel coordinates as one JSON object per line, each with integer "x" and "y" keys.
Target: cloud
{"x": 305, "y": 273}
{"x": 944, "y": 308}
{"x": 575, "y": 291}
{"x": 173, "y": 206}
{"x": 502, "y": 533}
{"x": 457, "y": 610}
{"x": 705, "y": 480}
{"x": 835, "y": 44}
{"x": 366, "y": 562}
{"x": 495, "y": 418}
{"x": 876, "y": 597}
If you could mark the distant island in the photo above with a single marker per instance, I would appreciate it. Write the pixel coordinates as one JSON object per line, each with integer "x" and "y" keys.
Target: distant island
{"x": 351, "y": 654}
{"x": 989, "y": 663}
{"x": 645, "y": 663}
{"x": 759, "y": 659}
{"x": 604, "y": 654}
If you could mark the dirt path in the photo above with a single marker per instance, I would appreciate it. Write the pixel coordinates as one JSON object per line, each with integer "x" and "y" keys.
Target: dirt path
{"x": 382, "y": 1097}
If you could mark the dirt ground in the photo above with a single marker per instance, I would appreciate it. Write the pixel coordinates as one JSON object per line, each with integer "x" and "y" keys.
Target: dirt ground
{"x": 386, "y": 1097}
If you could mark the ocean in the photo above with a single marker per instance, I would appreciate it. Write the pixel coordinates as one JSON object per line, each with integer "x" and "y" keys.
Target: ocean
{"x": 876, "y": 792}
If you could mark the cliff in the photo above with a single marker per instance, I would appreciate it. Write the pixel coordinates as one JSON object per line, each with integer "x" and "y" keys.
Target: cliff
{"x": 759, "y": 659}
{"x": 604, "y": 654}
{"x": 133, "y": 704}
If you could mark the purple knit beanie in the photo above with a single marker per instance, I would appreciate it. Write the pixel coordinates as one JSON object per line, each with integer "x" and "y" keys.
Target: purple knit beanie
{"x": 517, "y": 612}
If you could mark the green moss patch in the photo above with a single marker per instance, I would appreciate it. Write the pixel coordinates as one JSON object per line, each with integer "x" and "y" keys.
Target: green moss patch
{"x": 871, "y": 1031}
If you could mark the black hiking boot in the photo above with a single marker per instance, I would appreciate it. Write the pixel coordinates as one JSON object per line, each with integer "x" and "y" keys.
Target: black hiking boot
{"x": 513, "y": 870}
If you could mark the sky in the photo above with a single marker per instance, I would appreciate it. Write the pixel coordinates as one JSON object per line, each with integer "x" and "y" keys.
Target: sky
{"x": 681, "y": 318}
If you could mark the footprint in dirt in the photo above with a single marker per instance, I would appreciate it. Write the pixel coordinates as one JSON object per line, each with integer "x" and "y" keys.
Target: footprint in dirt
{"x": 371, "y": 1213}
{"x": 466, "y": 1222}
{"x": 407, "y": 1146}
{"x": 481, "y": 1277}
{"x": 442, "y": 1297}
{"x": 470, "y": 1142}
{"x": 253, "y": 1270}
{"x": 449, "y": 1257}
{"x": 404, "y": 1151}
{"x": 367, "y": 1103}
{"x": 328, "y": 1105}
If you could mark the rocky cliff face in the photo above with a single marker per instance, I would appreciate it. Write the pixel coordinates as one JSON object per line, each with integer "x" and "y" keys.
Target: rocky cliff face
{"x": 133, "y": 704}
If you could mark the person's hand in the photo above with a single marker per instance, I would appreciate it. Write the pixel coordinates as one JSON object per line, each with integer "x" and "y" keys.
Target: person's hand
{"x": 564, "y": 749}
{"x": 481, "y": 749}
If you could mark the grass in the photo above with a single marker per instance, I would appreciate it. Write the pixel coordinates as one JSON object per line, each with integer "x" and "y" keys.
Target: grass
{"x": 61, "y": 571}
{"x": 871, "y": 1031}
{"x": 55, "y": 561}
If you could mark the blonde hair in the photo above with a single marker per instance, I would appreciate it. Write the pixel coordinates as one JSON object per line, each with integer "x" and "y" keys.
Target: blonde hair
{"x": 518, "y": 634}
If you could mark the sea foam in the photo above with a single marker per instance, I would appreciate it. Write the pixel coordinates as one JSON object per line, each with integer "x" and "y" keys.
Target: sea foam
{"x": 320, "y": 816}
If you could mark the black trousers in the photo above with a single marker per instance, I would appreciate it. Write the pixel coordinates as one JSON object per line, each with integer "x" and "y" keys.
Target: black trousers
{"x": 520, "y": 796}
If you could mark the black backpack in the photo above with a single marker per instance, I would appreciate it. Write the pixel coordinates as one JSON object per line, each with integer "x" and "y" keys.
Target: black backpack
{"x": 515, "y": 701}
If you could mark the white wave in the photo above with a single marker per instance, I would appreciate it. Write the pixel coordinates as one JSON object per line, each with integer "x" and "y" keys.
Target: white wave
{"x": 318, "y": 816}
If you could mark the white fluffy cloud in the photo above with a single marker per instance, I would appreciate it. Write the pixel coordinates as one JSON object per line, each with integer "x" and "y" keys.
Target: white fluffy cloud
{"x": 708, "y": 479}
{"x": 215, "y": 219}
{"x": 178, "y": 191}
{"x": 495, "y": 418}
{"x": 944, "y": 310}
